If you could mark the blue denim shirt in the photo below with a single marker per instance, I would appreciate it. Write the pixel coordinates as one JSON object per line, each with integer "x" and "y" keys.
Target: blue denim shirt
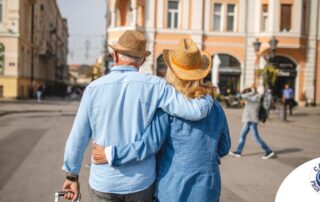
{"x": 112, "y": 109}
{"x": 187, "y": 164}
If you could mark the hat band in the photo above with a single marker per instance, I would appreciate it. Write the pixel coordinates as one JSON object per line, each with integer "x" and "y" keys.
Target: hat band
{"x": 185, "y": 67}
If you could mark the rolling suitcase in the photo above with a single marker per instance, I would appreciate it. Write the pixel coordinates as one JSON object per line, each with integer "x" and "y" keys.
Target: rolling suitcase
{"x": 61, "y": 194}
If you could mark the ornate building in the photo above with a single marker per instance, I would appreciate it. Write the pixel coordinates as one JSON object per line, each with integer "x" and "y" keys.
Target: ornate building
{"x": 34, "y": 40}
{"x": 237, "y": 33}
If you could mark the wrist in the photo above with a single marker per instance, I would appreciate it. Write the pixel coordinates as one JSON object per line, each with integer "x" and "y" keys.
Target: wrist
{"x": 72, "y": 177}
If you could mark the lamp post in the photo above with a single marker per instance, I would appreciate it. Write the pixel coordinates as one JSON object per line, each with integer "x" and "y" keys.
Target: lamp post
{"x": 256, "y": 46}
{"x": 273, "y": 47}
{"x": 32, "y": 2}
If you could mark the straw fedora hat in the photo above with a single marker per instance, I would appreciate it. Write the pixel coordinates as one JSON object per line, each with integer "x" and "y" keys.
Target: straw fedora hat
{"x": 187, "y": 61}
{"x": 132, "y": 43}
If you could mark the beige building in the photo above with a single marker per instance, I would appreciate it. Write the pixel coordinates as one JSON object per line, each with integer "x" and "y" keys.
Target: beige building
{"x": 227, "y": 29}
{"x": 34, "y": 37}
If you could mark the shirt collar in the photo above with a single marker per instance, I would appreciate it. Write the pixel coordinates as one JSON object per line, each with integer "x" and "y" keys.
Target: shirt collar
{"x": 124, "y": 68}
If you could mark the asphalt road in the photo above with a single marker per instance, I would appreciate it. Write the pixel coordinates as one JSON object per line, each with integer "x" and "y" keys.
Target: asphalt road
{"x": 32, "y": 147}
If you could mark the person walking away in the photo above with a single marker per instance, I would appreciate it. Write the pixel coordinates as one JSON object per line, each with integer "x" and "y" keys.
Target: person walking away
{"x": 287, "y": 98}
{"x": 250, "y": 121}
{"x": 39, "y": 93}
{"x": 267, "y": 101}
{"x": 188, "y": 163}
{"x": 116, "y": 109}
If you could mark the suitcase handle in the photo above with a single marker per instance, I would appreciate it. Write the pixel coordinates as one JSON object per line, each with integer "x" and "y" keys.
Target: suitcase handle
{"x": 61, "y": 194}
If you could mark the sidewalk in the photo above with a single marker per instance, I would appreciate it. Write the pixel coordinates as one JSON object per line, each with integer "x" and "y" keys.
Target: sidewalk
{"x": 51, "y": 104}
{"x": 303, "y": 117}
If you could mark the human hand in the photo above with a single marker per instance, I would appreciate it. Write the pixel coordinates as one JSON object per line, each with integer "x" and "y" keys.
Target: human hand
{"x": 98, "y": 154}
{"x": 72, "y": 189}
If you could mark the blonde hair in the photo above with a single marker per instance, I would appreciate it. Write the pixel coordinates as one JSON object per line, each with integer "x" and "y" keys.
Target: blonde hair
{"x": 191, "y": 89}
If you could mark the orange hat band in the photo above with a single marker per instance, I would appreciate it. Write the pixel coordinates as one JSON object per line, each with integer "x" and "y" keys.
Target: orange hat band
{"x": 186, "y": 67}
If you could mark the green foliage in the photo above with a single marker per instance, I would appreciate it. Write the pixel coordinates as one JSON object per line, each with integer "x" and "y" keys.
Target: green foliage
{"x": 270, "y": 75}
{"x": 1, "y": 58}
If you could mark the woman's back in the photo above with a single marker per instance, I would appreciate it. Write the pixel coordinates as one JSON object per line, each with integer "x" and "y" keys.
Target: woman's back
{"x": 188, "y": 161}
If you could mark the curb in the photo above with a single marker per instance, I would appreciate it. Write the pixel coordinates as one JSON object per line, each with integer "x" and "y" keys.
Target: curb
{"x": 4, "y": 113}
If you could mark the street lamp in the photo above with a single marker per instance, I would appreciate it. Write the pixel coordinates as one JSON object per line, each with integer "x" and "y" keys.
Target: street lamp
{"x": 273, "y": 47}
{"x": 32, "y": 2}
{"x": 256, "y": 46}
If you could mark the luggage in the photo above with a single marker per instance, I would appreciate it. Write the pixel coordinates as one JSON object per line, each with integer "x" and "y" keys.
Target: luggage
{"x": 60, "y": 194}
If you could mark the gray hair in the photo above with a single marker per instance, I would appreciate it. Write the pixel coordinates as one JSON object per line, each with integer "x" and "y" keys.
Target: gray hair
{"x": 130, "y": 59}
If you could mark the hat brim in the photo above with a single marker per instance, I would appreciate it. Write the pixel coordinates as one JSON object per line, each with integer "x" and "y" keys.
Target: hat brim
{"x": 133, "y": 53}
{"x": 185, "y": 74}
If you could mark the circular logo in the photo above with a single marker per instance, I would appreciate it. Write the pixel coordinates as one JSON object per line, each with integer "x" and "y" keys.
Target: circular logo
{"x": 315, "y": 178}
{"x": 318, "y": 178}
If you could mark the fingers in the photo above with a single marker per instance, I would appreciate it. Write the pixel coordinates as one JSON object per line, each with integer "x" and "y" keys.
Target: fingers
{"x": 71, "y": 196}
{"x": 75, "y": 196}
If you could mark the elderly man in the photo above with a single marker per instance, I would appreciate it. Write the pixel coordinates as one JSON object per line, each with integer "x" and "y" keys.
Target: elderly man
{"x": 112, "y": 109}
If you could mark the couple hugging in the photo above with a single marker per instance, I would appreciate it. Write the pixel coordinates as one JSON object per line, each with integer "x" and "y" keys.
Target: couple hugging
{"x": 154, "y": 139}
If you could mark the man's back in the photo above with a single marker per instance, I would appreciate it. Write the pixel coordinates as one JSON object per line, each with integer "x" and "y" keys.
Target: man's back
{"x": 122, "y": 105}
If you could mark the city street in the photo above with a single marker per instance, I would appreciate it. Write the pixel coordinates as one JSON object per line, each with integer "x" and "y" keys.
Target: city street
{"x": 33, "y": 136}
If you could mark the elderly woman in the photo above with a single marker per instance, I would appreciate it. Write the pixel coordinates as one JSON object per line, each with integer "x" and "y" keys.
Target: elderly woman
{"x": 188, "y": 163}
{"x": 250, "y": 120}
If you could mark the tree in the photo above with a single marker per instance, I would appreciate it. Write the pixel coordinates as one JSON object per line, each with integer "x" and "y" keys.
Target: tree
{"x": 269, "y": 75}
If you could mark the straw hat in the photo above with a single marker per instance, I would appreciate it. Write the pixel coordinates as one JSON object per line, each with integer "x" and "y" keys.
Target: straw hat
{"x": 132, "y": 43}
{"x": 187, "y": 61}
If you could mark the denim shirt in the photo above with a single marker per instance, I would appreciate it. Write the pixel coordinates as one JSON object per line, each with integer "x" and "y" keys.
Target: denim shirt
{"x": 114, "y": 108}
{"x": 187, "y": 164}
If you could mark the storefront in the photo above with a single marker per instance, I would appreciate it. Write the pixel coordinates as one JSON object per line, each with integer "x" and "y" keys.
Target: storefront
{"x": 287, "y": 73}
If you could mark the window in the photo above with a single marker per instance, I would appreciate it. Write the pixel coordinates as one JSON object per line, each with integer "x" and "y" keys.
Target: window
{"x": 264, "y": 21}
{"x": 217, "y": 17}
{"x": 230, "y": 17}
{"x": 285, "y": 17}
{"x": 173, "y": 11}
{"x": 1, "y": 59}
{"x": 1, "y": 10}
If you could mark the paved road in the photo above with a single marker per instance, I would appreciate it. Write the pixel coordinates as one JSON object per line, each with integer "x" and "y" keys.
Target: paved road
{"x": 32, "y": 146}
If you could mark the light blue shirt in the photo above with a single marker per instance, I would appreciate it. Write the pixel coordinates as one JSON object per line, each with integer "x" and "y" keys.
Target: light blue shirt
{"x": 113, "y": 109}
{"x": 288, "y": 93}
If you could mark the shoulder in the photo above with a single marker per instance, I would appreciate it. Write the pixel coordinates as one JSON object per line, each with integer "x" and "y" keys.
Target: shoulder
{"x": 217, "y": 109}
{"x": 97, "y": 82}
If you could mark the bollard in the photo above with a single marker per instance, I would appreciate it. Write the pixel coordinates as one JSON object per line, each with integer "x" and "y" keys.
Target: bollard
{"x": 282, "y": 113}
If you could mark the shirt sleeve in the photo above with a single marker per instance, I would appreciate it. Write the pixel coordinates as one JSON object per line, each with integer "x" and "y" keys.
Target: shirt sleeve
{"x": 148, "y": 145}
{"x": 79, "y": 138}
{"x": 251, "y": 97}
{"x": 176, "y": 104}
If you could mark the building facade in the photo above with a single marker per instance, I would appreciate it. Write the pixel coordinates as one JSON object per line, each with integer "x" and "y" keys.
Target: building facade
{"x": 227, "y": 29}
{"x": 34, "y": 41}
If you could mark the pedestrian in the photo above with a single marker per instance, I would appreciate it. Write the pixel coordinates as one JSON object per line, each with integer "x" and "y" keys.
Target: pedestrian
{"x": 250, "y": 121}
{"x": 116, "y": 109}
{"x": 39, "y": 92}
{"x": 287, "y": 98}
{"x": 188, "y": 163}
{"x": 267, "y": 100}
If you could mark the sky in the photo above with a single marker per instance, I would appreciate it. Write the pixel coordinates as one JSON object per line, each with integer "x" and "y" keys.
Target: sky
{"x": 86, "y": 22}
